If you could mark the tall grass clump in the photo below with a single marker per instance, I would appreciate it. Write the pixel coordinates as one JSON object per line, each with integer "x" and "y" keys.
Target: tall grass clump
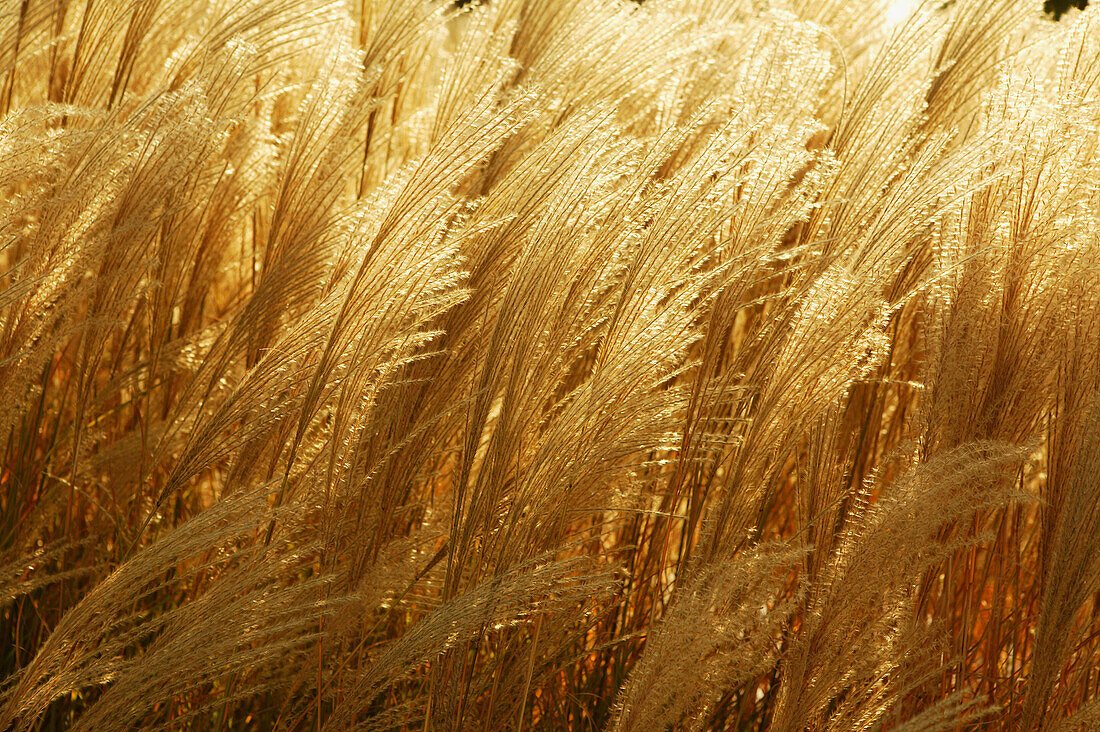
{"x": 549, "y": 364}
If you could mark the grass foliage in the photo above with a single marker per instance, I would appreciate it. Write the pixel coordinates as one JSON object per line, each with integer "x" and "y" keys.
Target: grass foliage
{"x": 549, "y": 364}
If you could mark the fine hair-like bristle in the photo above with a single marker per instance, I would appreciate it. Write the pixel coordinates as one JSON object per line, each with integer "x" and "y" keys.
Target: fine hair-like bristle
{"x": 549, "y": 364}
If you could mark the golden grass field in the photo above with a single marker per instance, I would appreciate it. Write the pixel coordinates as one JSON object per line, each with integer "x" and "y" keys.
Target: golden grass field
{"x": 549, "y": 365}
